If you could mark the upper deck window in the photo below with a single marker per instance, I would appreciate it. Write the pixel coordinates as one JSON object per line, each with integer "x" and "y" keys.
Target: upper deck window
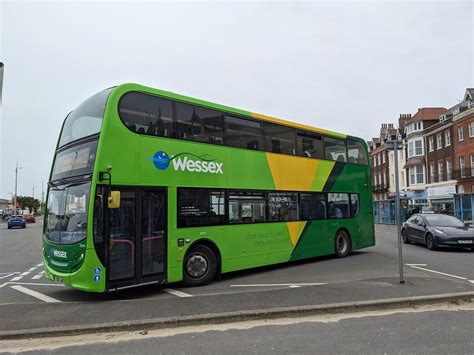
{"x": 310, "y": 145}
{"x": 279, "y": 139}
{"x": 335, "y": 149}
{"x": 199, "y": 124}
{"x": 85, "y": 120}
{"x": 356, "y": 152}
{"x": 146, "y": 114}
{"x": 242, "y": 133}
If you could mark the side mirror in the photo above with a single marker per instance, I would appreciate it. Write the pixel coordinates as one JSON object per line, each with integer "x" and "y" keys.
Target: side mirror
{"x": 114, "y": 199}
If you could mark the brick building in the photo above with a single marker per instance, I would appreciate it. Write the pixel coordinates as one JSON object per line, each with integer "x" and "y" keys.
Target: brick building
{"x": 415, "y": 150}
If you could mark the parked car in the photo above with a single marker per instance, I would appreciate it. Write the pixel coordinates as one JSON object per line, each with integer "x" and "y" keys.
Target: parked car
{"x": 29, "y": 218}
{"x": 437, "y": 230}
{"x": 16, "y": 221}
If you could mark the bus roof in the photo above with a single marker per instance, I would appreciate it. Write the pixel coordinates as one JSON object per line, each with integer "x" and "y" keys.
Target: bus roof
{"x": 212, "y": 105}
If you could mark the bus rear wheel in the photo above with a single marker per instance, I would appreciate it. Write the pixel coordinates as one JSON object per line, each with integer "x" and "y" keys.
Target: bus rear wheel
{"x": 342, "y": 244}
{"x": 200, "y": 266}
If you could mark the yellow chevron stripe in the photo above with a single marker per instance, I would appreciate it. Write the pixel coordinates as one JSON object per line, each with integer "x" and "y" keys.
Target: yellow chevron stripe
{"x": 295, "y": 229}
{"x": 297, "y": 125}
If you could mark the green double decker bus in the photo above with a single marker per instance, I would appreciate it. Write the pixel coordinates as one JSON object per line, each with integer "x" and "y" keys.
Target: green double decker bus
{"x": 148, "y": 186}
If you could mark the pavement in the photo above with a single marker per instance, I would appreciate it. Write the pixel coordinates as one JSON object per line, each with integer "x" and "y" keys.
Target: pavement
{"x": 366, "y": 280}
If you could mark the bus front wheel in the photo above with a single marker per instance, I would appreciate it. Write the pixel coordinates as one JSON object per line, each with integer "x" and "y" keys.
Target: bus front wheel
{"x": 200, "y": 266}
{"x": 342, "y": 244}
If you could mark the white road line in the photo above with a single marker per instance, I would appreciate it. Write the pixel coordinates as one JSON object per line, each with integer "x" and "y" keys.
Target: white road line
{"x": 35, "y": 294}
{"x": 36, "y": 284}
{"x": 38, "y": 276}
{"x": 5, "y": 276}
{"x": 439, "y": 272}
{"x": 25, "y": 273}
{"x": 471, "y": 281}
{"x": 416, "y": 265}
{"x": 17, "y": 278}
{"x": 289, "y": 285}
{"x": 177, "y": 293}
{"x": 10, "y": 273}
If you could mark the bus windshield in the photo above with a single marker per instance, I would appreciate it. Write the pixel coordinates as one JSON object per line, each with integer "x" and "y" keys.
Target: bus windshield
{"x": 85, "y": 120}
{"x": 66, "y": 221}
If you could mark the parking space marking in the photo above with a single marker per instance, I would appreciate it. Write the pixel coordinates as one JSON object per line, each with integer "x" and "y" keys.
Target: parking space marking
{"x": 439, "y": 272}
{"x": 35, "y": 294}
{"x": 177, "y": 293}
{"x": 293, "y": 285}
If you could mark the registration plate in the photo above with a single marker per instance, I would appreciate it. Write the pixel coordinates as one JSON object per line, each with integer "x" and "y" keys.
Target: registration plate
{"x": 465, "y": 241}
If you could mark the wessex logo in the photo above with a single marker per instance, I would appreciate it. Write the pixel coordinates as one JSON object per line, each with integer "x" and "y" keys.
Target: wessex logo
{"x": 185, "y": 162}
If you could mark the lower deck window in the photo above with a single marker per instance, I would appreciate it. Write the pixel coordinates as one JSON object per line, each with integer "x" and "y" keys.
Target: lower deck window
{"x": 201, "y": 207}
{"x": 338, "y": 205}
{"x": 246, "y": 207}
{"x": 283, "y": 206}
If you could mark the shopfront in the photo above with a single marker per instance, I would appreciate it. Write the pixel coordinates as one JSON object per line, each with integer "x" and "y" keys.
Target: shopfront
{"x": 464, "y": 206}
{"x": 440, "y": 198}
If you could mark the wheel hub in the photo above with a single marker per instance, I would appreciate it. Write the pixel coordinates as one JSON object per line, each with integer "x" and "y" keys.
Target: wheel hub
{"x": 196, "y": 265}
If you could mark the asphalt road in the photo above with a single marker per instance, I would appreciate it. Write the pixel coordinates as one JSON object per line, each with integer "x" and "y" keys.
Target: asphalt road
{"x": 20, "y": 265}
{"x": 413, "y": 331}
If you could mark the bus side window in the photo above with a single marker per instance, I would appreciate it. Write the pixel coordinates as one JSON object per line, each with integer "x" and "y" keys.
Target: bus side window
{"x": 354, "y": 205}
{"x": 312, "y": 206}
{"x": 146, "y": 114}
{"x": 356, "y": 152}
{"x": 338, "y": 205}
{"x": 243, "y": 133}
{"x": 279, "y": 139}
{"x": 310, "y": 145}
{"x": 335, "y": 149}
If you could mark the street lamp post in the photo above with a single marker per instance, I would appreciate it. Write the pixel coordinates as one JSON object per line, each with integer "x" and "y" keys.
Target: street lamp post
{"x": 16, "y": 185}
{"x": 34, "y": 187}
{"x": 395, "y": 144}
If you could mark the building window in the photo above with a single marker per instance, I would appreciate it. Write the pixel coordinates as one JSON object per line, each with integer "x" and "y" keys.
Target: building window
{"x": 375, "y": 160}
{"x": 460, "y": 134}
{"x": 461, "y": 167}
{"x": 384, "y": 180}
{"x": 431, "y": 144}
{"x": 200, "y": 207}
{"x": 449, "y": 169}
{"x": 378, "y": 159}
{"x": 440, "y": 171}
{"x": 416, "y": 174}
{"x": 246, "y": 207}
{"x": 471, "y": 129}
{"x": 472, "y": 166}
{"x": 447, "y": 138}
{"x": 439, "y": 141}
{"x": 418, "y": 147}
{"x": 383, "y": 157}
{"x": 432, "y": 172}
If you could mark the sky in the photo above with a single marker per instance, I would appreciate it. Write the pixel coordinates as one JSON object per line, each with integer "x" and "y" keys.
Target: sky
{"x": 343, "y": 66}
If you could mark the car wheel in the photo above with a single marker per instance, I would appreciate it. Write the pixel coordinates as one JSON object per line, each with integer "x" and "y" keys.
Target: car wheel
{"x": 342, "y": 244}
{"x": 430, "y": 242}
{"x": 200, "y": 266}
{"x": 405, "y": 236}
{"x": 9, "y": 227}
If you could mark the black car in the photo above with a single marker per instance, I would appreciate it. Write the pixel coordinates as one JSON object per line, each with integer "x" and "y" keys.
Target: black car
{"x": 437, "y": 230}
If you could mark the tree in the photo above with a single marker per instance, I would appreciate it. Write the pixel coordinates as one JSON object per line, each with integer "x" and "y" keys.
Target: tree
{"x": 28, "y": 201}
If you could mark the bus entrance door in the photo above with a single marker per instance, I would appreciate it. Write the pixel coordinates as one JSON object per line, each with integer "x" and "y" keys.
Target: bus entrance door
{"x": 137, "y": 240}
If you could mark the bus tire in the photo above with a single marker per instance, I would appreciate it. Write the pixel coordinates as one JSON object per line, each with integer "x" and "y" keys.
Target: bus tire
{"x": 200, "y": 266}
{"x": 342, "y": 244}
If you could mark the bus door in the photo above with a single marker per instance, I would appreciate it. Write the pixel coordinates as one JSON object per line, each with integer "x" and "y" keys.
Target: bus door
{"x": 137, "y": 238}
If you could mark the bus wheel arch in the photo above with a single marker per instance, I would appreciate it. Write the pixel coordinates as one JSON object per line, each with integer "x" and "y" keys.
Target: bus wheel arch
{"x": 202, "y": 255}
{"x": 342, "y": 243}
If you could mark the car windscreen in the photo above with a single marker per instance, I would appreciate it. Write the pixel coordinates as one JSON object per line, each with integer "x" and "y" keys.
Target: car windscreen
{"x": 66, "y": 221}
{"x": 85, "y": 120}
{"x": 443, "y": 221}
